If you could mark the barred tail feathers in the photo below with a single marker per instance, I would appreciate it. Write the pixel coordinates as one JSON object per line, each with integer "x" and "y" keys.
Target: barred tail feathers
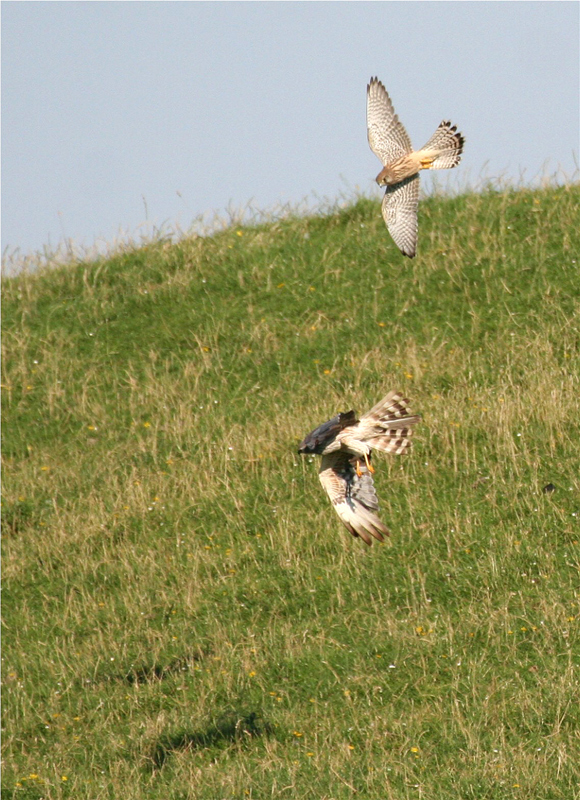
{"x": 444, "y": 148}
{"x": 393, "y": 406}
{"x": 388, "y": 426}
{"x": 395, "y": 440}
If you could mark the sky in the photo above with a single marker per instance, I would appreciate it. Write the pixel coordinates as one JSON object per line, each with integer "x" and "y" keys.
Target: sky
{"x": 119, "y": 118}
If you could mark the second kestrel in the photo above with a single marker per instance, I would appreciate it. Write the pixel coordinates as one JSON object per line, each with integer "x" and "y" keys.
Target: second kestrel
{"x": 401, "y": 164}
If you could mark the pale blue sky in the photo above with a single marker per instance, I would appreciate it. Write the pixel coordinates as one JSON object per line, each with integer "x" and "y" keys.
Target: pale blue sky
{"x": 198, "y": 105}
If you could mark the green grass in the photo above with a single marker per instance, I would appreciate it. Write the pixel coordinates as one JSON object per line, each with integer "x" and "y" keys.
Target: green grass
{"x": 184, "y": 616}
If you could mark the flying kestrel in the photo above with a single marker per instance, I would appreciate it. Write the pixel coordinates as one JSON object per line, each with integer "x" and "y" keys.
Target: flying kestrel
{"x": 345, "y": 444}
{"x": 401, "y": 164}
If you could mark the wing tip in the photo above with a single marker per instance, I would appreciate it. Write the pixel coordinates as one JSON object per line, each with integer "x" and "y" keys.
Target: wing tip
{"x": 361, "y": 523}
{"x": 365, "y": 526}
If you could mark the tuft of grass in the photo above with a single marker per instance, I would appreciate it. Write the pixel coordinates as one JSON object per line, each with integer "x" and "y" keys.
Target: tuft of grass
{"x": 184, "y": 616}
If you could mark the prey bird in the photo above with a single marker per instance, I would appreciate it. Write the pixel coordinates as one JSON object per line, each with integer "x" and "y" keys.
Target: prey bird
{"x": 345, "y": 444}
{"x": 401, "y": 164}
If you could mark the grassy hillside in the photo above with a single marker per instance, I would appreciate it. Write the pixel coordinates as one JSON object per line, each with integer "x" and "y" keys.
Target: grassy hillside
{"x": 184, "y": 615}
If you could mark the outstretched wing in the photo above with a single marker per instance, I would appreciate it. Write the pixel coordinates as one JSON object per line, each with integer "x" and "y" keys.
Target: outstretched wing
{"x": 399, "y": 209}
{"x": 387, "y": 137}
{"x": 353, "y": 497}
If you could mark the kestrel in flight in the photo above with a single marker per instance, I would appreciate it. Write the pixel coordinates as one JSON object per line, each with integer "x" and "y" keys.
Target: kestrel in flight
{"x": 401, "y": 164}
{"x": 345, "y": 444}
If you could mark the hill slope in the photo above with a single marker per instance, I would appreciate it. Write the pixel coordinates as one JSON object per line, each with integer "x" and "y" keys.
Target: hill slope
{"x": 185, "y": 617}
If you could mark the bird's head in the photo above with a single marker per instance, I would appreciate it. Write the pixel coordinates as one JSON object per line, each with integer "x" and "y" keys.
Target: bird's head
{"x": 319, "y": 439}
{"x": 387, "y": 176}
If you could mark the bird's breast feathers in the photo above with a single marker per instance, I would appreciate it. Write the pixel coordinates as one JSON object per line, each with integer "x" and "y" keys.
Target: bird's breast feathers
{"x": 352, "y": 442}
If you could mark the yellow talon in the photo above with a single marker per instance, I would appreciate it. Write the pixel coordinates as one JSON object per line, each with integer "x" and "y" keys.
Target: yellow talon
{"x": 368, "y": 463}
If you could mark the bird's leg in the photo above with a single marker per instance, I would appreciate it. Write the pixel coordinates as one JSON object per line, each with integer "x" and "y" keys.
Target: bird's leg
{"x": 370, "y": 467}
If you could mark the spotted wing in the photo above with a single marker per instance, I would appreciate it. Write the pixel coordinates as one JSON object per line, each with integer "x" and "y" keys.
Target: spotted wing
{"x": 399, "y": 208}
{"x": 387, "y": 137}
{"x": 353, "y": 497}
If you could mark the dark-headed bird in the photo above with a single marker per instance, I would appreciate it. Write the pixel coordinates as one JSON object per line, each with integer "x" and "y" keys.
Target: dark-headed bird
{"x": 345, "y": 444}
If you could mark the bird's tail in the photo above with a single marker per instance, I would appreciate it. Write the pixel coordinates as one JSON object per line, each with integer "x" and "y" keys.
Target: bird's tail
{"x": 444, "y": 148}
{"x": 388, "y": 426}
